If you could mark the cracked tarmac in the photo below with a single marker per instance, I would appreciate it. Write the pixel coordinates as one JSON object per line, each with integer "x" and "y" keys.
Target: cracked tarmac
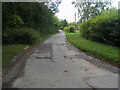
{"x": 57, "y": 64}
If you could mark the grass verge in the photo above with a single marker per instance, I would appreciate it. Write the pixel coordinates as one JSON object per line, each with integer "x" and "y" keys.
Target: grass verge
{"x": 101, "y": 51}
{"x": 9, "y": 51}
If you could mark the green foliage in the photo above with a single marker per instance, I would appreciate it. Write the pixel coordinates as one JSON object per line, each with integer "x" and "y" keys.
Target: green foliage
{"x": 56, "y": 21}
{"x": 17, "y": 20}
{"x": 56, "y": 24}
{"x": 102, "y": 51}
{"x": 31, "y": 14}
{"x": 63, "y": 24}
{"x": 87, "y": 10}
{"x": 9, "y": 51}
{"x": 21, "y": 36}
{"x": 66, "y": 29}
{"x": 84, "y": 29}
{"x": 103, "y": 28}
{"x": 71, "y": 29}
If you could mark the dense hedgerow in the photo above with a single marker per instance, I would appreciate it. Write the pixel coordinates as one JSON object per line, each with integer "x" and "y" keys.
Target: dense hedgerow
{"x": 32, "y": 15}
{"x": 103, "y": 28}
{"x": 21, "y": 36}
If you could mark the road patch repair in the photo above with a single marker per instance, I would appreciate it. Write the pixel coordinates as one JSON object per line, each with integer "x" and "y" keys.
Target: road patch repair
{"x": 57, "y": 64}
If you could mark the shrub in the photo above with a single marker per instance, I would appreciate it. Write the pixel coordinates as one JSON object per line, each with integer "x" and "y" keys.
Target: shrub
{"x": 84, "y": 29}
{"x": 71, "y": 29}
{"x": 103, "y": 28}
{"x": 21, "y": 36}
{"x": 66, "y": 29}
{"x": 34, "y": 15}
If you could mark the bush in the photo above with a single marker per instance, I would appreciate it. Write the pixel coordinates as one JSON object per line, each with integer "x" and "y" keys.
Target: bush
{"x": 34, "y": 15}
{"x": 21, "y": 36}
{"x": 71, "y": 29}
{"x": 103, "y": 28}
{"x": 66, "y": 29}
{"x": 84, "y": 29}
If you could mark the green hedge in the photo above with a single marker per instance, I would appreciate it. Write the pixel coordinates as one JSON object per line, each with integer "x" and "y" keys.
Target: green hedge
{"x": 103, "y": 28}
{"x": 21, "y": 36}
{"x": 31, "y": 14}
{"x": 69, "y": 29}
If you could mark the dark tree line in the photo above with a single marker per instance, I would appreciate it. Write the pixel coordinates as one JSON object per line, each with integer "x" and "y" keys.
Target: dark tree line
{"x": 34, "y": 15}
{"x": 27, "y": 14}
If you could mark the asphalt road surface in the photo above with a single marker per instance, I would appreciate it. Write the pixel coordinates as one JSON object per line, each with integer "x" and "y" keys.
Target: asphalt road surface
{"x": 56, "y": 64}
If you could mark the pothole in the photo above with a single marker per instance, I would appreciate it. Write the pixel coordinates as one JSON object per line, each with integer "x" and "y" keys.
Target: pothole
{"x": 43, "y": 57}
{"x": 65, "y": 56}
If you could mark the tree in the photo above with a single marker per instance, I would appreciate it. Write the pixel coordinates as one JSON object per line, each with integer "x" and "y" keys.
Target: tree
{"x": 87, "y": 10}
{"x": 63, "y": 23}
{"x": 22, "y": 20}
{"x": 56, "y": 21}
{"x": 31, "y": 14}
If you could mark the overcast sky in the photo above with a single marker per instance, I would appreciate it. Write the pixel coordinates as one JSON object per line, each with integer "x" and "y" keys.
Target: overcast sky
{"x": 67, "y": 10}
